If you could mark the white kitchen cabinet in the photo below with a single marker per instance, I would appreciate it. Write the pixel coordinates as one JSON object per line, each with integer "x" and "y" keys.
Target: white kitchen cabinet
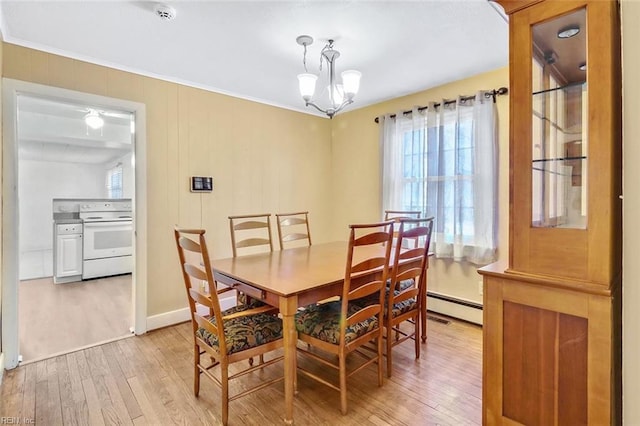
{"x": 68, "y": 252}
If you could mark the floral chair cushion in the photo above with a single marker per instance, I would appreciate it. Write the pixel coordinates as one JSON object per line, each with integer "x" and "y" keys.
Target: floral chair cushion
{"x": 404, "y": 284}
{"x": 373, "y": 298}
{"x": 323, "y": 322}
{"x": 402, "y": 307}
{"x": 244, "y": 332}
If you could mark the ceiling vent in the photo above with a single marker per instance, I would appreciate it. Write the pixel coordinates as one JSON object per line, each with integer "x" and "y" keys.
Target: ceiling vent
{"x": 165, "y": 12}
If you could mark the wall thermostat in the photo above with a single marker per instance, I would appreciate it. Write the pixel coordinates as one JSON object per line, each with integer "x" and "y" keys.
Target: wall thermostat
{"x": 201, "y": 184}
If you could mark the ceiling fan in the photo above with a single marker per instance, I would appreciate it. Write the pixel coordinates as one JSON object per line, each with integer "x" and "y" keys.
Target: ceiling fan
{"x": 94, "y": 117}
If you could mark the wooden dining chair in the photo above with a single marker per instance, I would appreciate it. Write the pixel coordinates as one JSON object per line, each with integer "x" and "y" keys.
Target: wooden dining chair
{"x": 293, "y": 227}
{"x": 245, "y": 332}
{"x": 249, "y": 231}
{"x": 406, "y": 294}
{"x": 251, "y": 234}
{"x": 341, "y": 327}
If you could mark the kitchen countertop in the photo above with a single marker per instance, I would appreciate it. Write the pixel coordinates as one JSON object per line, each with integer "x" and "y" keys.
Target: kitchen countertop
{"x": 66, "y": 221}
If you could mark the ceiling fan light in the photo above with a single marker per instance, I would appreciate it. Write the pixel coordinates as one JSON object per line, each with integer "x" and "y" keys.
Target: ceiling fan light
{"x": 351, "y": 82}
{"x": 94, "y": 120}
{"x": 307, "y": 84}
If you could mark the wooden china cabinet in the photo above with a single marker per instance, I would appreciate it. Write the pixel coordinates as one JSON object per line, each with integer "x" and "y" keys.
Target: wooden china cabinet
{"x": 552, "y": 316}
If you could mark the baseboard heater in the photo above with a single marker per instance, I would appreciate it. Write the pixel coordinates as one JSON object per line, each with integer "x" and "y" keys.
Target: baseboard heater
{"x": 457, "y": 301}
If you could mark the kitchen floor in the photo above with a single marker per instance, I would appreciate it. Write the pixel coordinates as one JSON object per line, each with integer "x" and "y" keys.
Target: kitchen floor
{"x": 59, "y": 318}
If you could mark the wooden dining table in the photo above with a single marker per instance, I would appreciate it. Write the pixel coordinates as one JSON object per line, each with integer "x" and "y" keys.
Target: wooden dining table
{"x": 288, "y": 279}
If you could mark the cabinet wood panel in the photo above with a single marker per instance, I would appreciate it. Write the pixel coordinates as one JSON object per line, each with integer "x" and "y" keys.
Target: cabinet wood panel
{"x": 572, "y": 370}
{"x": 544, "y": 352}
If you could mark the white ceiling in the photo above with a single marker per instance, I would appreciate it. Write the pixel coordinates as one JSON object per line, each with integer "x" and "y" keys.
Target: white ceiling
{"x": 248, "y": 49}
{"x": 55, "y": 131}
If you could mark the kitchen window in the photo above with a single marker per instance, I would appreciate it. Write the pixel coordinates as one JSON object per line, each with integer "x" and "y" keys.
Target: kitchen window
{"x": 114, "y": 182}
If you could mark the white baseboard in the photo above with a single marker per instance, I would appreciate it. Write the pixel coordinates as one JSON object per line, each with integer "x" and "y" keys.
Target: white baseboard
{"x": 455, "y": 310}
{"x": 181, "y": 315}
{"x": 1, "y": 367}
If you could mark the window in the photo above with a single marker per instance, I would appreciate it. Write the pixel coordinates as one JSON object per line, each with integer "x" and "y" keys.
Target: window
{"x": 446, "y": 169}
{"x": 114, "y": 182}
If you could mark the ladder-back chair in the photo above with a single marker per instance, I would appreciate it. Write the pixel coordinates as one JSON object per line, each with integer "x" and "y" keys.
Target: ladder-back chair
{"x": 406, "y": 298}
{"x": 342, "y": 327}
{"x": 245, "y": 332}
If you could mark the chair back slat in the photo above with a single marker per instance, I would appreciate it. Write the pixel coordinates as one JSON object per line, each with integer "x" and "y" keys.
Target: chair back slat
{"x": 408, "y": 274}
{"x": 290, "y": 221}
{"x": 376, "y": 237}
{"x": 294, "y": 237}
{"x": 293, "y": 227}
{"x": 251, "y": 224}
{"x": 250, "y": 242}
{"x": 365, "y": 290}
{"x": 406, "y": 294}
{"x": 250, "y": 231}
{"x": 369, "y": 264}
{"x": 189, "y": 245}
{"x": 195, "y": 272}
{"x": 364, "y": 314}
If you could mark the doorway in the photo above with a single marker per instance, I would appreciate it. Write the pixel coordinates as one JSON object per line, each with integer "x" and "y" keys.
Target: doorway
{"x": 96, "y": 163}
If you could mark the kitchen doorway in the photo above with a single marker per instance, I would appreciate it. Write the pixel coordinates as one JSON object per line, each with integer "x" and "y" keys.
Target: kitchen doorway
{"x": 70, "y": 154}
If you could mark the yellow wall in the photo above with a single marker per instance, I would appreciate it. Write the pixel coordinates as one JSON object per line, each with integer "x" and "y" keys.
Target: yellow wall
{"x": 356, "y": 173}
{"x": 1, "y": 58}
{"x": 263, "y": 159}
{"x": 631, "y": 207}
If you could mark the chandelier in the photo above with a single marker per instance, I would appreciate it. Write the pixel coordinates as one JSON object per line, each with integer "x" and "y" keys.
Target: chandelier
{"x": 340, "y": 94}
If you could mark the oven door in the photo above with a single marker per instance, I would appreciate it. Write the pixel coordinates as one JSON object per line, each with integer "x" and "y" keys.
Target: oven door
{"x": 107, "y": 239}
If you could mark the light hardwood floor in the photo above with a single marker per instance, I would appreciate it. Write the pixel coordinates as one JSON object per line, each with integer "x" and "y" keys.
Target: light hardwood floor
{"x": 56, "y": 318}
{"x": 148, "y": 380}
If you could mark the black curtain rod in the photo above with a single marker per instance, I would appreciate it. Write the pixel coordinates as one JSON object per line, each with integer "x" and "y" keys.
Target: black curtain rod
{"x": 491, "y": 94}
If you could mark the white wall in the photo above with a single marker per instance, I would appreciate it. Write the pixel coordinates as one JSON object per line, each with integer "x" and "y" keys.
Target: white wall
{"x": 40, "y": 183}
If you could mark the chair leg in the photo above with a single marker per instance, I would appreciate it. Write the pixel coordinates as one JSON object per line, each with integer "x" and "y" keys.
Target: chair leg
{"x": 423, "y": 319}
{"x": 343, "y": 382}
{"x": 196, "y": 370}
{"x": 389, "y": 349}
{"x": 224, "y": 373}
{"x": 379, "y": 342}
{"x": 416, "y": 336}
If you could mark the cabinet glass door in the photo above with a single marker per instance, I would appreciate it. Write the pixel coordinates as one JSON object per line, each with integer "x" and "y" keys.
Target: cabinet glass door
{"x": 560, "y": 145}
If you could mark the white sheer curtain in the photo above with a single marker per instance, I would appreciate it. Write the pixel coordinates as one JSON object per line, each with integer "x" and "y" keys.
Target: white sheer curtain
{"x": 443, "y": 162}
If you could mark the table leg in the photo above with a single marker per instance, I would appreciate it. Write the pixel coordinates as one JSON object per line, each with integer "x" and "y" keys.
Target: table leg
{"x": 288, "y": 308}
